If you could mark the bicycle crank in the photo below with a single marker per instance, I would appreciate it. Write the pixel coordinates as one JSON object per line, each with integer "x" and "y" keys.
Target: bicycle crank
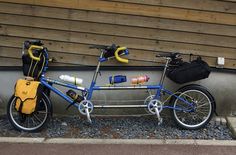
{"x": 155, "y": 107}
{"x": 85, "y": 108}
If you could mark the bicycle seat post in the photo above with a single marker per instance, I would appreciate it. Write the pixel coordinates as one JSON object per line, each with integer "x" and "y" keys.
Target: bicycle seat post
{"x": 98, "y": 67}
{"x": 165, "y": 69}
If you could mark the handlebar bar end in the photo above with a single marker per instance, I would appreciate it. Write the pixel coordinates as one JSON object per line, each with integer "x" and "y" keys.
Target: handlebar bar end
{"x": 118, "y": 58}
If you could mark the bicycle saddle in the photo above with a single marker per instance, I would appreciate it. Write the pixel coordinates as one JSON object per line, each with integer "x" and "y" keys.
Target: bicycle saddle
{"x": 169, "y": 55}
{"x": 109, "y": 50}
{"x": 104, "y": 47}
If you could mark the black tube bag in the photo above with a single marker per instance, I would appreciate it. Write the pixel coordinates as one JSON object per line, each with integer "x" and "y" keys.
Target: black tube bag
{"x": 189, "y": 71}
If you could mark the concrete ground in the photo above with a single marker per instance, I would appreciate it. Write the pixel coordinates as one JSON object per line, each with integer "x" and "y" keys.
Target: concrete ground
{"x": 231, "y": 123}
{"x": 39, "y": 146}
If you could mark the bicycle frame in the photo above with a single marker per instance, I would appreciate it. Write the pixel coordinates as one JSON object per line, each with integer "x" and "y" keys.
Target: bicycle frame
{"x": 87, "y": 93}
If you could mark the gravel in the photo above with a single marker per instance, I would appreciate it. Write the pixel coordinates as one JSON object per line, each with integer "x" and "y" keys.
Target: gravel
{"x": 119, "y": 128}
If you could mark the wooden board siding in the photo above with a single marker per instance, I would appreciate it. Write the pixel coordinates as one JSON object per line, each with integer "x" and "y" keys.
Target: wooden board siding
{"x": 68, "y": 28}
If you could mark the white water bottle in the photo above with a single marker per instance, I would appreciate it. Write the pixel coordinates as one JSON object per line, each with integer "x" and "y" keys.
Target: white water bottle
{"x": 71, "y": 79}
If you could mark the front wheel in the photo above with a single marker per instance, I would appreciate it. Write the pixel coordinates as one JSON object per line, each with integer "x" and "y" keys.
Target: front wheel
{"x": 32, "y": 122}
{"x": 193, "y": 108}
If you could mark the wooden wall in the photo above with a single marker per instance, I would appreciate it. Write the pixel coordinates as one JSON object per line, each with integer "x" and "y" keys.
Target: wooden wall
{"x": 146, "y": 27}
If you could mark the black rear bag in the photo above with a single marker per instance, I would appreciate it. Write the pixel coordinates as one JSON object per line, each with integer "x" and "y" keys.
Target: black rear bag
{"x": 188, "y": 72}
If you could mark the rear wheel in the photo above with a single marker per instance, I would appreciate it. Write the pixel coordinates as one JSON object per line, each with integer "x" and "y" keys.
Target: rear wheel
{"x": 197, "y": 112}
{"x": 32, "y": 122}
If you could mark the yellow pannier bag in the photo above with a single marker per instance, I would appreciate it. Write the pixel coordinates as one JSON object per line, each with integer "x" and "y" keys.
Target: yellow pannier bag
{"x": 28, "y": 94}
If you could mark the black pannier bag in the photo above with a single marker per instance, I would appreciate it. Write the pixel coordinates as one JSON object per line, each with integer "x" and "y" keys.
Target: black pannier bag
{"x": 33, "y": 68}
{"x": 189, "y": 71}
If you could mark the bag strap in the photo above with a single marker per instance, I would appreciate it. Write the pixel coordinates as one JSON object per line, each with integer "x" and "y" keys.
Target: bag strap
{"x": 21, "y": 104}
{"x": 36, "y": 65}
{"x": 31, "y": 63}
{"x": 41, "y": 67}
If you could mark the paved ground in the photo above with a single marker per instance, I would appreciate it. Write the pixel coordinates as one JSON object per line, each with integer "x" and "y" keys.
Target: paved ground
{"x": 120, "y": 128}
{"x": 114, "y": 149}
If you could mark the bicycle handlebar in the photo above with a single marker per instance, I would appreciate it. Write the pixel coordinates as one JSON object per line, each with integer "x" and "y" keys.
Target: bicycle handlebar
{"x": 117, "y": 56}
{"x": 31, "y": 52}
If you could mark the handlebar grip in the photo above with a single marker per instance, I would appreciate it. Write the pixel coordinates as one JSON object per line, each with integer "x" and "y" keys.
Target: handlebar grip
{"x": 31, "y": 52}
{"x": 118, "y": 58}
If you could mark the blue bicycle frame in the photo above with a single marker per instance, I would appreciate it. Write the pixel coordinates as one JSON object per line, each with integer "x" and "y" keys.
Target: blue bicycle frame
{"x": 87, "y": 93}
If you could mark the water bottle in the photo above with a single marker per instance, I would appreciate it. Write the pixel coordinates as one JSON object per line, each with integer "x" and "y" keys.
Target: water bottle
{"x": 140, "y": 79}
{"x": 71, "y": 79}
{"x": 117, "y": 79}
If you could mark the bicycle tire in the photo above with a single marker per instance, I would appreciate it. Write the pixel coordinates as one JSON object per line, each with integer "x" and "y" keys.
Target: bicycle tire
{"x": 186, "y": 121}
{"x": 17, "y": 119}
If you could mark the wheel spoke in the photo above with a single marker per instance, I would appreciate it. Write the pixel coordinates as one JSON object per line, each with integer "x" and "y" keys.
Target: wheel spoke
{"x": 201, "y": 100}
{"x": 202, "y": 112}
{"x": 32, "y": 119}
{"x": 37, "y": 118}
{"x": 202, "y": 105}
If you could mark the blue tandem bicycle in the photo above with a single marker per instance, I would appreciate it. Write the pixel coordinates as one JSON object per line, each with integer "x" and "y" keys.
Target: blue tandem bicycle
{"x": 192, "y": 105}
